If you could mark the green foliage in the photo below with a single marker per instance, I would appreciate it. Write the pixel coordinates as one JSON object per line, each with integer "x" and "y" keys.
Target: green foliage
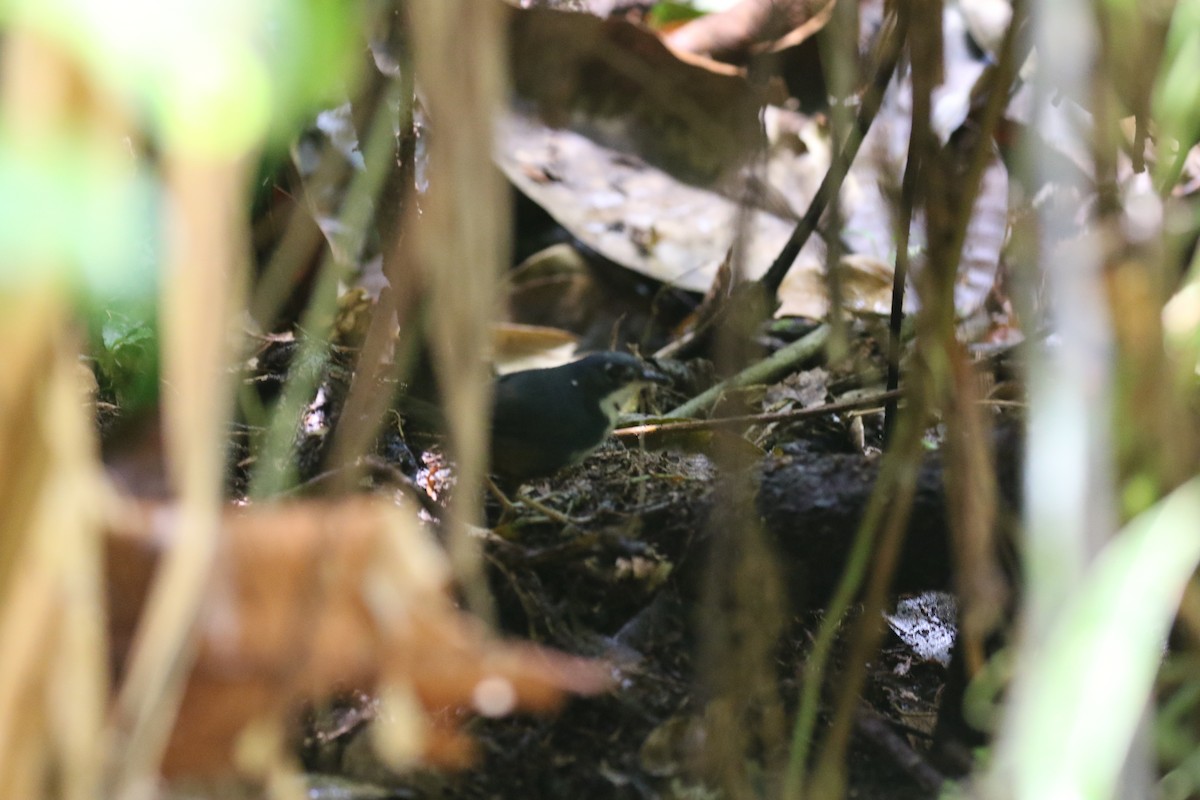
{"x": 210, "y": 80}
{"x": 213, "y": 78}
{"x": 696, "y": 7}
{"x": 75, "y": 212}
{"x": 1079, "y": 700}
{"x": 218, "y": 77}
{"x": 1177, "y": 94}
{"x": 669, "y": 12}
{"x": 125, "y": 351}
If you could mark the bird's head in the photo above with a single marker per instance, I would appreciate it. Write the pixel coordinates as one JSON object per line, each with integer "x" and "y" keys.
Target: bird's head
{"x": 613, "y": 378}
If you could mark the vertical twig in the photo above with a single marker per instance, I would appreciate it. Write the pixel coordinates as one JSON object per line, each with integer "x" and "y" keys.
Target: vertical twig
{"x": 890, "y": 45}
{"x": 207, "y": 253}
{"x": 462, "y": 242}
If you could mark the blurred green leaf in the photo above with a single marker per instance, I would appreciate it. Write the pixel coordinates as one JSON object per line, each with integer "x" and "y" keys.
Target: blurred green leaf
{"x": 1075, "y": 709}
{"x": 125, "y": 350}
{"x": 669, "y": 12}
{"x": 1177, "y": 95}
{"x": 712, "y": 6}
{"x": 67, "y": 207}
{"x": 218, "y": 77}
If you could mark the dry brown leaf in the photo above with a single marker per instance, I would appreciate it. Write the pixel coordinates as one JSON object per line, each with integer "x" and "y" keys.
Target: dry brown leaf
{"x": 520, "y": 347}
{"x": 616, "y": 81}
{"x": 640, "y": 217}
{"x": 313, "y": 598}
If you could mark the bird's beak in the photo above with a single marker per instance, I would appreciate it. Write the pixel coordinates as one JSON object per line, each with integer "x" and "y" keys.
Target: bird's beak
{"x": 651, "y": 375}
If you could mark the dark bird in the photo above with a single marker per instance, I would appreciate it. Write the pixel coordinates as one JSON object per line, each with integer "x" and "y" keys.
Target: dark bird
{"x": 547, "y": 419}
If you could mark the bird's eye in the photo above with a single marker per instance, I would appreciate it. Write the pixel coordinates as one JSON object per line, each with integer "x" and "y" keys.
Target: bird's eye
{"x": 618, "y": 374}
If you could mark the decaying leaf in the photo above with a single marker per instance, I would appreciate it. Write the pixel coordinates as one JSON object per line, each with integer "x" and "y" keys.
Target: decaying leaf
{"x": 618, "y": 82}
{"x": 646, "y": 219}
{"x": 636, "y": 215}
{"x": 314, "y": 598}
{"x": 531, "y": 347}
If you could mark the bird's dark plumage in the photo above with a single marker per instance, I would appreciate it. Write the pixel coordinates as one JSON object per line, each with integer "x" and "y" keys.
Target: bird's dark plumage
{"x": 547, "y": 419}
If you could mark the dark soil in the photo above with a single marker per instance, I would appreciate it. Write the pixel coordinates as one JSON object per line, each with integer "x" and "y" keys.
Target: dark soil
{"x": 632, "y": 583}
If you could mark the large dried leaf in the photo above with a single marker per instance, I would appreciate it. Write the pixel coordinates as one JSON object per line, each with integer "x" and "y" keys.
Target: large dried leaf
{"x": 618, "y": 83}
{"x": 636, "y": 215}
{"x": 646, "y": 220}
{"x": 317, "y": 597}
